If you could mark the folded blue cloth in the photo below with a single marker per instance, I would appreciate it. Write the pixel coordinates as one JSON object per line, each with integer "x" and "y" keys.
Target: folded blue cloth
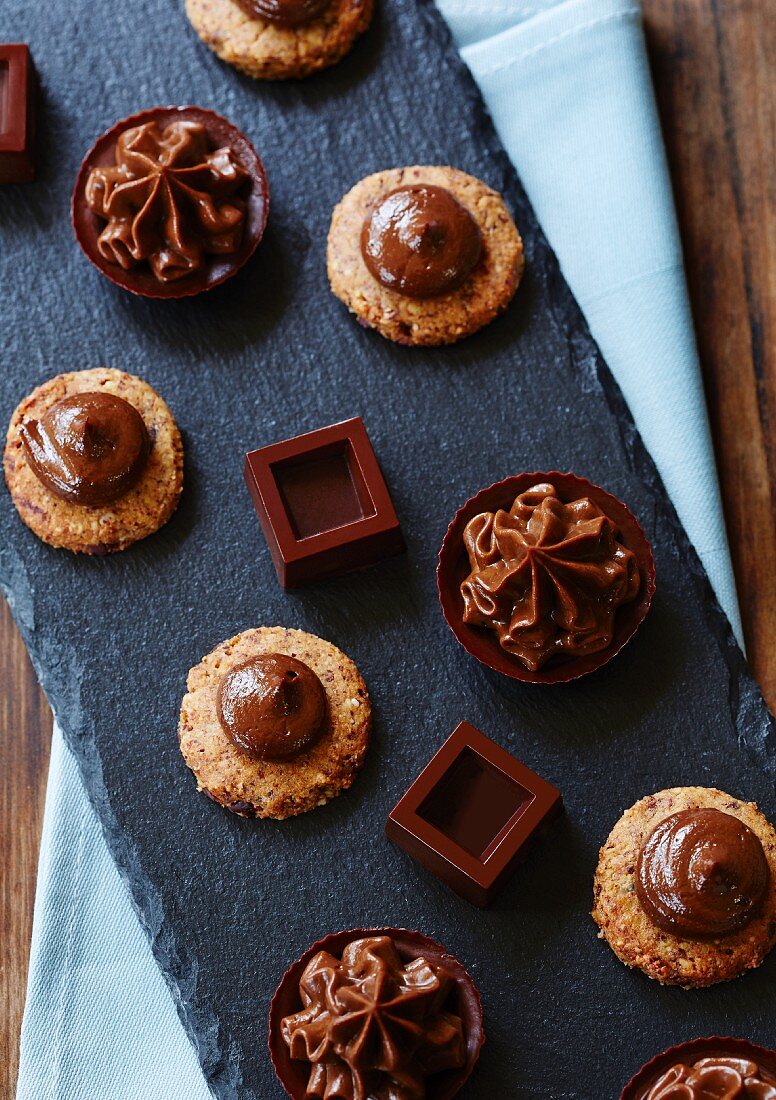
{"x": 569, "y": 88}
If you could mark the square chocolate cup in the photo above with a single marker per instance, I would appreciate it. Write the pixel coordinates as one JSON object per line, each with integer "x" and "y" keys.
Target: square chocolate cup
{"x": 17, "y": 103}
{"x": 472, "y": 814}
{"x": 323, "y": 503}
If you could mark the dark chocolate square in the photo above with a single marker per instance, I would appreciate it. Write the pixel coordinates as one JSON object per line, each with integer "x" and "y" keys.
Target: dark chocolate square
{"x": 17, "y": 104}
{"x": 323, "y": 503}
{"x": 472, "y": 814}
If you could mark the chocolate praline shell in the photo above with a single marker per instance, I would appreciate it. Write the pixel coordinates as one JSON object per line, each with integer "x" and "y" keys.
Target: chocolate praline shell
{"x": 454, "y": 567}
{"x": 693, "y": 1050}
{"x": 293, "y": 1075}
{"x": 141, "y": 280}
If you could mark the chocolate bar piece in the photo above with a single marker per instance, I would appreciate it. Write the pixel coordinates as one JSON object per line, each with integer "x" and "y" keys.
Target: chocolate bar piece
{"x": 17, "y": 113}
{"x": 323, "y": 503}
{"x": 472, "y": 814}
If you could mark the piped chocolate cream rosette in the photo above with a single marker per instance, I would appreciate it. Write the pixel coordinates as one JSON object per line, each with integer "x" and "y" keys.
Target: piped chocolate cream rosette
{"x": 707, "y": 1069}
{"x": 544, "y": 577}
{"x": 385, "y": 1014}
{"x": 170, "y": 202}
{"x": 547, "y": 576}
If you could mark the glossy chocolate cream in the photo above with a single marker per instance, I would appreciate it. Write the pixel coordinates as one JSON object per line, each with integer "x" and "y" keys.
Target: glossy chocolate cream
{"x": 715, "y": 1078}
{"x": 702, "y": 874}
{"x": 547, "y": 576}
{"x": 421, "y": 241}
{"x": 169, "y": 200}
{"x": 285, "y": 13}
{"x": 372, "y": 1025}
{"x": 88, "y": 448}
{"x": 271, "y": 706}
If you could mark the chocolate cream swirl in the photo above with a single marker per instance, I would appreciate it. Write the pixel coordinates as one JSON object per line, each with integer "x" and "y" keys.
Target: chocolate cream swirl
{"x": 285, "y": 13}
{"x": 547, "y": 576}
{"x": 702, "y": 874}
{"x": 271, "y": 706}
{"x": 714, "y": 1078}
{"x": 421, "y": 241}
{"x": 372, "y": 1025}
{"x": 169, "y": 200}
{"x": 88, "y": 448}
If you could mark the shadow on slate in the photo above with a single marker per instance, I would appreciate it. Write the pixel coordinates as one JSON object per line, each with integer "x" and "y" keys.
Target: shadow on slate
{"x": 226, "y": 903}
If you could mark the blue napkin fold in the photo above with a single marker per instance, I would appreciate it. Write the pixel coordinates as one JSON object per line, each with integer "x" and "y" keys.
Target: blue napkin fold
{"x": 569, "y": 89}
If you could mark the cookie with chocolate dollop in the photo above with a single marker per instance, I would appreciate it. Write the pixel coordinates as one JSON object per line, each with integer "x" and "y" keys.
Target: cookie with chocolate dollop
{"x": 426, "y": 255}
{"x": 279, "y": 39}
{"x": 685, "y": 888}
{"x": 94, "y": 461}
{"x": 275, "y": 722}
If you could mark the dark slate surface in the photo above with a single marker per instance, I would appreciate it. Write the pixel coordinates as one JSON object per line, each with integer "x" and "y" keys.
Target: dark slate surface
{"x": 228, "y": 903}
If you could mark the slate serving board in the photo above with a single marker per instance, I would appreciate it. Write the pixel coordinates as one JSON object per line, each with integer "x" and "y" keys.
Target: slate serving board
{"x": 227, "y": 903}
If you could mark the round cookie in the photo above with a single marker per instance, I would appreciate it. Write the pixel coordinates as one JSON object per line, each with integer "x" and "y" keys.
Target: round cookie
{"x": 141, "y": 511}
{"x": 443, "y": 319}
{"x": 267, "y": 51}
{"x": 275, "y": 788}
{"x": 635, "y": 940}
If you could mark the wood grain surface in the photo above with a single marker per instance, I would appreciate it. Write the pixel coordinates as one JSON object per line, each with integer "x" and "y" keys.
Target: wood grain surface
{"x": 718, "y": 109}
{"x": 715, "y": 90}
{"x": 25, "y": 734}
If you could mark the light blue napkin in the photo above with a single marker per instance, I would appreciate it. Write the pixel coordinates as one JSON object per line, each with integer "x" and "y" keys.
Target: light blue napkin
{"x": 569, "y": 88}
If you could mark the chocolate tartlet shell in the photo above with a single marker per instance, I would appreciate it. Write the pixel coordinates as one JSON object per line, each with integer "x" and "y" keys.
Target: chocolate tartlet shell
{"x": 140, "y": 279}
{"x": 293, "y": 1075}
{"x": 454, "y": 567}
{"x": 640, "y": 1084}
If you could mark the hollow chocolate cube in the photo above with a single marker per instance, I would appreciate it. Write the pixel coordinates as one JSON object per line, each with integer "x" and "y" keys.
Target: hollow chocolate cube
{"x": 17, "y": 113}
{"x": 323, "y": 503}
{"x": 472, "y": 814}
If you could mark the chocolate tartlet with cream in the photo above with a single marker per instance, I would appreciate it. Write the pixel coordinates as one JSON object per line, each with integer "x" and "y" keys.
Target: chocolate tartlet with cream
{"x": 707, "y": 1069}
{"x": 685, "y": 888}
{"x": 426, "y": 255}
{"x": 275, "y": 722}
{"x": 544, "y": 576}
{"x": 375, "y": 1013}
{"x": 170, "y": 202}
{"x": 94, "y": 461}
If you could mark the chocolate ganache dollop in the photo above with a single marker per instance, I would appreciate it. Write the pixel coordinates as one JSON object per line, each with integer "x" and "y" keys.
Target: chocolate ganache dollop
{"x": 421, "y": 241}
{"x": 702, "y": 874}
{"x": 271, "y": 706}
{"x": 169, "y": 199}
{"x": 547, "y": 576}
{"x": 88, "y": 448}
{"x": 286, "y": 13}
{"x": 714, "y": 1078}
{"x": 373, "y": 1026}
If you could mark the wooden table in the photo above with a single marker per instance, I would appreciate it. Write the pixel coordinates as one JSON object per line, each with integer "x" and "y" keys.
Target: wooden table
{"x": 714, "y": 84}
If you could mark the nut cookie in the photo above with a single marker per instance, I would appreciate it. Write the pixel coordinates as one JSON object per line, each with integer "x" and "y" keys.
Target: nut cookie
{"x": 448, "y": 317}
{"x": 111, "y": 527}
{"x": 268, "y": 51}
{"x": 276, "y": 788}
{"x": 635, "y": 939}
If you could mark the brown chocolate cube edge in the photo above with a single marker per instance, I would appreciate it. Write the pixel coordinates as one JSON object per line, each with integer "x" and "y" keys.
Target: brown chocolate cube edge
{"x": 471, "y": 814}
{"x": 17, "y": 113}
{"x": 323, "y": 503}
